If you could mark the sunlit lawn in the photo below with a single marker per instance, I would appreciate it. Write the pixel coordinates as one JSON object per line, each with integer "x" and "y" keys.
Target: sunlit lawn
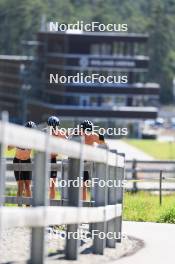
{"x": 159, "y": 150}
{"x": 145, "y": 207}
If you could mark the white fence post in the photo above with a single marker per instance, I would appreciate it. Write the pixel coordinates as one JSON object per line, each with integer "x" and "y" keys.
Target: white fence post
{"x": 4, "y": 118}
{"x": 101, "y": 171}
{"x": 2, "y": 165}
{"x": 92, "y": 191}
{"x": 40, "y": 198}
{"x": 112, "y": 192}
{"x": 75, "y": 172}
{"x": 120, "y": 176}
{"x": 64, "y": 177}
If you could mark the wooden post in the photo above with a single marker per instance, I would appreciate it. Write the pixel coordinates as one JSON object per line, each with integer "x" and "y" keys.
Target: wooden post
{"x": 40, "y": 198}
{"x": 101, "y": 199}
{"x": 134, "y": 175}
{"x": 2, "y": 164}
{"x": 64, "y": 177}
{"x": 160, "y": 188}
{"x": 119, "y": 199}
{"x": 92, "y": 192}
{"x": 75, "y": 172}
{"x": 112, "y": 192}
{"x": 72, "y": 244}
{"x": 4, "y": 118}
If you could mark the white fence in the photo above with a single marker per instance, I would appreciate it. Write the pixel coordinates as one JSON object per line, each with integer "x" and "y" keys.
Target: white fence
{"x": 106, "y": 213}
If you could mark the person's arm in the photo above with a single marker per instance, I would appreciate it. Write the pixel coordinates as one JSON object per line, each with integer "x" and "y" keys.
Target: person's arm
{"x": 97, "y": 139}
{"x": 102, "y": 140}
{"x": 10, "y": 147}
{"x": 63, "y": 136}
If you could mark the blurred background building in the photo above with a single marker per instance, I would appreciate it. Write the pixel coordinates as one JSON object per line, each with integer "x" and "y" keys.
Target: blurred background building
{"x": 25, "y": 89}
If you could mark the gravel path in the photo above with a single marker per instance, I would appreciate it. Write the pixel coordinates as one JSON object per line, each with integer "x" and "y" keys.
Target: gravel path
{"x": 15, "y": 247}
{"x": 15, "y": 244}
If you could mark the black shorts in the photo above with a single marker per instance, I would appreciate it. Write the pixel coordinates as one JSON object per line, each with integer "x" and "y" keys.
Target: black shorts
{"x": 22, "y": 175}
{"x": 53, "y": 174}
{"x": 86, "y": 176}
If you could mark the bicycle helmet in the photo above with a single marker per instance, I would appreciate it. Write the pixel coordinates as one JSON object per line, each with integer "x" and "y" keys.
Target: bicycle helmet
{"x": 30, "y": 124}
{"x": 87, "y": 124}
{"x": 53, "y": 121}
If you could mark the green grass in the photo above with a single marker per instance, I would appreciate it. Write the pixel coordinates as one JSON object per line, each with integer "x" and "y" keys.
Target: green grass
{"x": 144, "y": 207}
{"x": 159, "y": 150}
{"x": 10, "y": 154}
{"x": 11, "y": 191}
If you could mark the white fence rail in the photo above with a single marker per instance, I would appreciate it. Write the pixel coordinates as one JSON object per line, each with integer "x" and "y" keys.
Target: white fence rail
{"x": 45, "y": 216}
{"x": 11, "y": 134}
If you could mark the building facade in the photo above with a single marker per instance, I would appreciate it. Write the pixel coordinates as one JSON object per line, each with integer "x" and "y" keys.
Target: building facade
{"x": 72, "y": 53}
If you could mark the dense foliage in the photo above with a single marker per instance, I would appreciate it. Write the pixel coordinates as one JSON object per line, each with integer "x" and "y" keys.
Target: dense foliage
{"x": 21, "y": 19}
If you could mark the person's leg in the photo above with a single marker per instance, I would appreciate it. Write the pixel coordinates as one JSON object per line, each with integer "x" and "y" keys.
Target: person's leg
{"x": 27, "y": 177}
{"x": 85, "y": 187}
{"x": 85, "y": 192}
{"x": 18, "y": 179}
{"x": 20, "y": 190}
{"x": 53, "y": 177}
{"x": 28, "y": 192}
{"x": 52, "y": 188}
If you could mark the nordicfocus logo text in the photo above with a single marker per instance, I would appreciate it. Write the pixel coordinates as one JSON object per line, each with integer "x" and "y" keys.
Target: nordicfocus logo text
{"x": 87, "y": 27}
{"x": 83, "y": 234}
{"x": 78, "y": 182}
{"x": 77, "y": 131}
{"x": 88, "y": 79}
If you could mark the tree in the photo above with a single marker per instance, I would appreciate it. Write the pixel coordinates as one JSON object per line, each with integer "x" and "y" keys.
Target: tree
{"x": 161, "y": 44}
{"x": 19, "y": 20}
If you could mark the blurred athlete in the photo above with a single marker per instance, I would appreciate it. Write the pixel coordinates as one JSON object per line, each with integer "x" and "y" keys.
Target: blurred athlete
{"x": 53, "y": 123}
{"x": 102, "y": 140}
{"x": 23, "y": 178}
{"x": 90, "y": 138}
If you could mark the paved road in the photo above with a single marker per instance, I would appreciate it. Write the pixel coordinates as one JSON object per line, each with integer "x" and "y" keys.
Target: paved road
{"x": 130, "y": 151}
{"x": 159, "y": 242}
